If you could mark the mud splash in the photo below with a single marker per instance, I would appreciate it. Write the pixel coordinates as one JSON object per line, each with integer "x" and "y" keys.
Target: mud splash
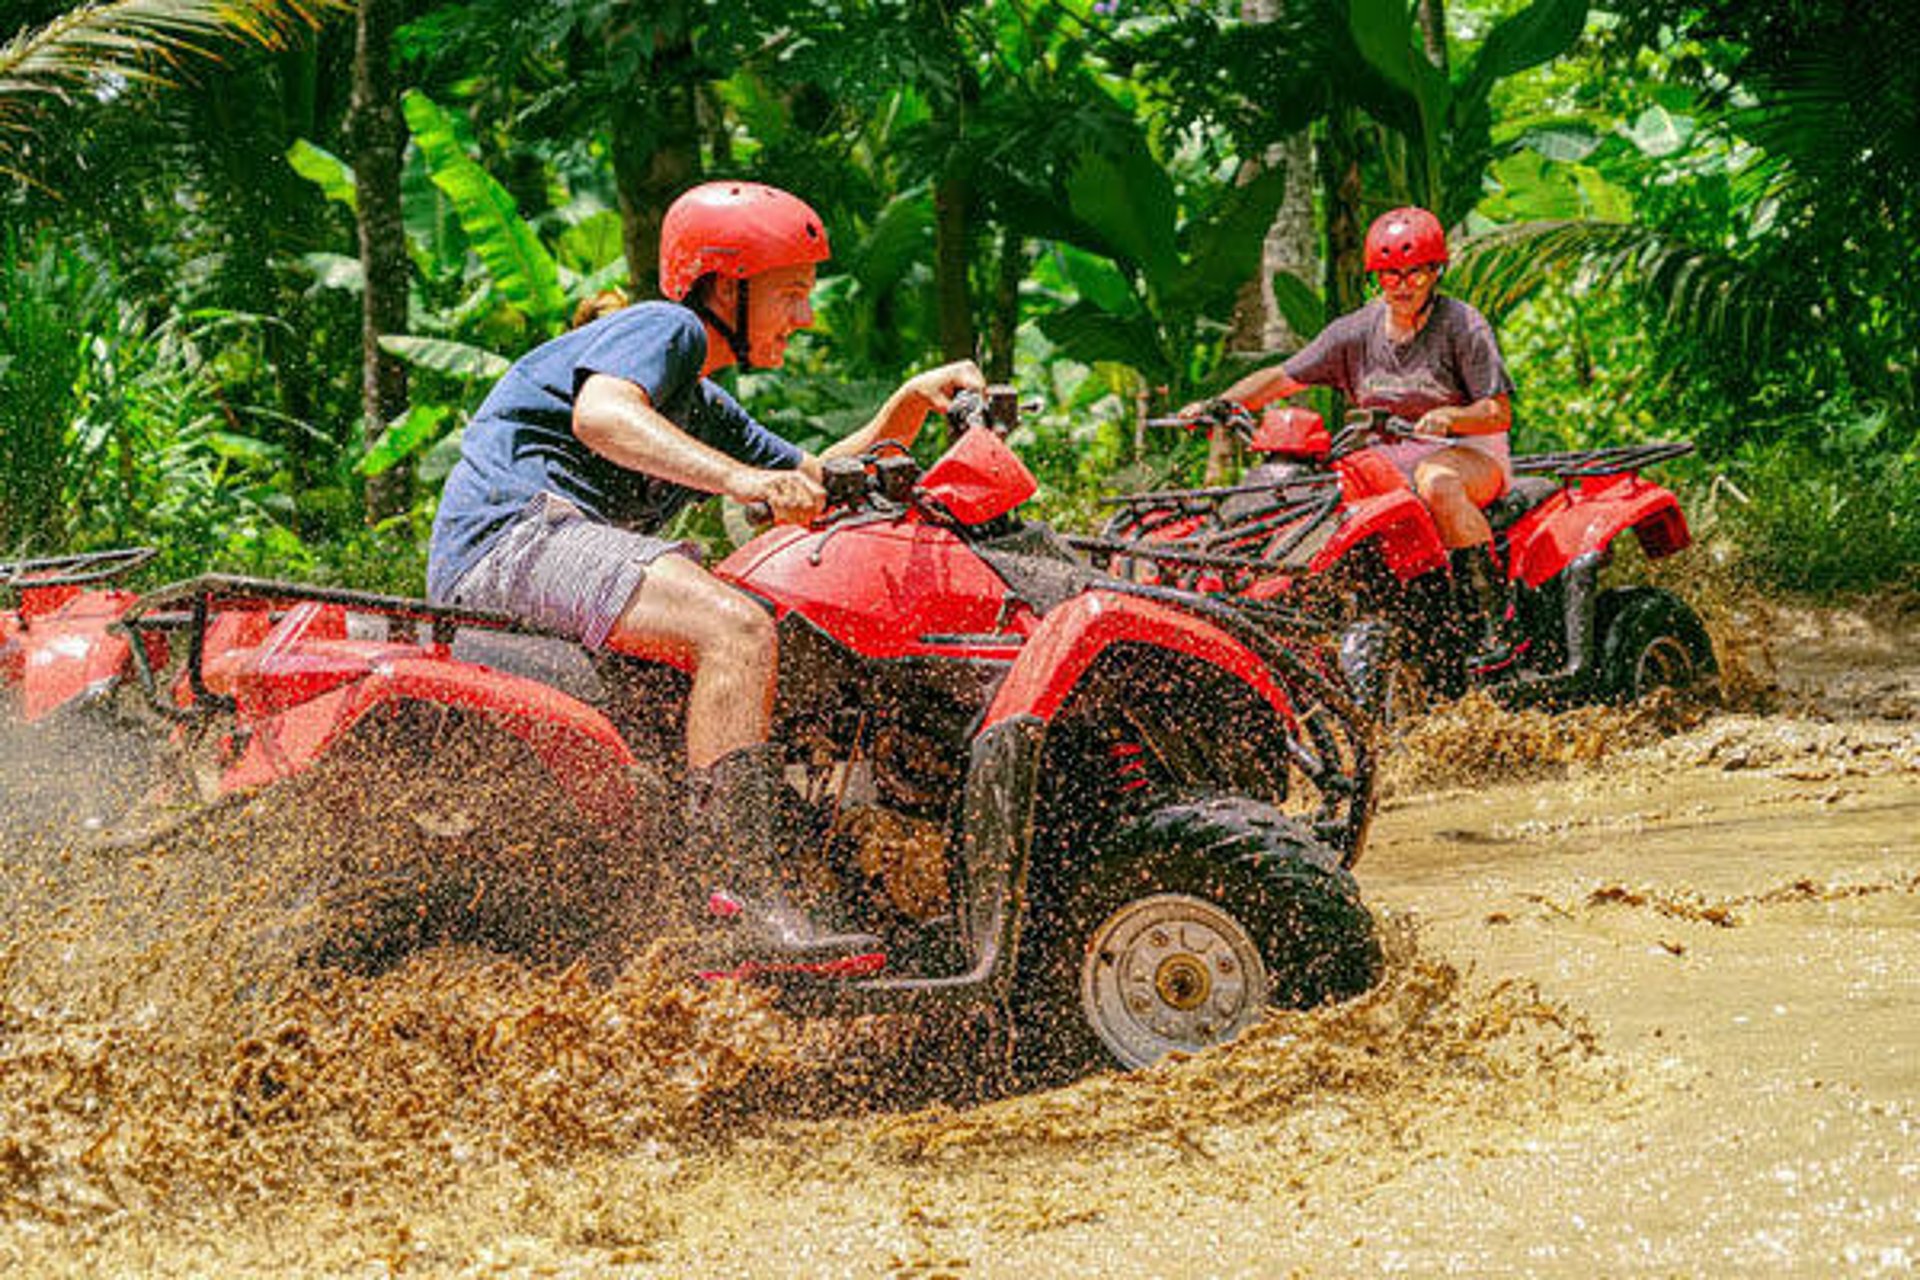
{"x": 1650, "y": 1009}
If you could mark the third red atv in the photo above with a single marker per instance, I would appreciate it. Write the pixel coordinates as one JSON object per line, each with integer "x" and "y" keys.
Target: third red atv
{"x": 1329, "y": 523}
{"x": 1123, "y": 812}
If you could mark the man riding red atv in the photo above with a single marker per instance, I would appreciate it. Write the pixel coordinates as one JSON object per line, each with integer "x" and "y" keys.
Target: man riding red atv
{"x": 1331, "y": 526}
{"x": 990, "y": 758}
{"x": 1415, "y": 516}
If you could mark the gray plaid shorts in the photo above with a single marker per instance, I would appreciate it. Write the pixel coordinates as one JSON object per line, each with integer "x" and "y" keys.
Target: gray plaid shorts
{"x": 560, "y": 570}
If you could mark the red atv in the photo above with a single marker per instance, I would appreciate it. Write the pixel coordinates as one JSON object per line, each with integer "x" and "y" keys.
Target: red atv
{"x": 69, "y": 756}
{"x": 1329, "y": 524}
{"x": 1123, "y": 811}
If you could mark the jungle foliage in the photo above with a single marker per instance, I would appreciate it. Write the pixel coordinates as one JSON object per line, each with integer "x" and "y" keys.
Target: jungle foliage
{"x": 1687, "y": 219}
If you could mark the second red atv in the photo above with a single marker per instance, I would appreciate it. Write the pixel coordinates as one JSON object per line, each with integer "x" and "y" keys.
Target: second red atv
{"x": 70, "y": 756}
{"x": 1122, "y": 813}
{"x": 1327, "y": 523}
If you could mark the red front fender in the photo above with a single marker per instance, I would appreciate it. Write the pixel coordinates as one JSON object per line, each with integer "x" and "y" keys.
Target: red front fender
{"x": 1409, "y": 541}
{"x": 1072, "y": 636}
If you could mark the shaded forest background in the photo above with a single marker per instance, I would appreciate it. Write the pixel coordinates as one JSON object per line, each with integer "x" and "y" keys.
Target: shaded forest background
{"x": 259, "y": 259}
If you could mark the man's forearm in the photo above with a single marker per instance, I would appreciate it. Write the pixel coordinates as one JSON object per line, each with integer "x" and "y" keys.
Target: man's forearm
{"x": 1481, "y": 418}
{"x": 1262, "y": 386}
{"x": 899, "y": 419}
{"x": 615, "y": 419}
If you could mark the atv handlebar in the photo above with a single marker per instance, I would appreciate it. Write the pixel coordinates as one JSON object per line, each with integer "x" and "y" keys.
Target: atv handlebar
{"x": 1365, "y": 428}
{"x": 888, "y": 471}
{"x": 998, "y": 410}
{"x": 1214, "y": 415}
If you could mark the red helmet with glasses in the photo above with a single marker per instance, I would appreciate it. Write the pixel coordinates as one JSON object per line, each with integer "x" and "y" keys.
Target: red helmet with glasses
{"x": 736, "y": 229}
{"x": 1403, "y": 238}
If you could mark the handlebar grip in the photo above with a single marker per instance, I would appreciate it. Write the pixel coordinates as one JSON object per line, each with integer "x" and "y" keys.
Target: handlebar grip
{"x": 759, "y": 514}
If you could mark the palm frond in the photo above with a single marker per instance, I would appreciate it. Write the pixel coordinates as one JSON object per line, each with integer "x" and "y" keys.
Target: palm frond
{"x": 1738, "y": 305}
{"x": 99, "y": 43}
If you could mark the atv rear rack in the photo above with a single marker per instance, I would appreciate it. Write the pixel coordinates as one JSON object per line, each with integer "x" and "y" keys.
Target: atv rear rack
{"x": 190, "y": 606}
{"x": 1218, "y": 548}
{"x": 1601, "y": 462}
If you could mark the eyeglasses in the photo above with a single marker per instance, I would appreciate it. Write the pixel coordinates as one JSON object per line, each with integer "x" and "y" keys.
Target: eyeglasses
{"x": 1400, "y": 275}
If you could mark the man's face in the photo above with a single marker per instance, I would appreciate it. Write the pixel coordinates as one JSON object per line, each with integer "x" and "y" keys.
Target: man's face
{"x": 778, "y": 303}
{"x": 1407, "y": 289}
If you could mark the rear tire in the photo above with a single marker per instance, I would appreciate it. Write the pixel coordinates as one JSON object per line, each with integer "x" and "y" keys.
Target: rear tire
{"x": 1193, "y": 920}
{"x": 1650, "y": 639}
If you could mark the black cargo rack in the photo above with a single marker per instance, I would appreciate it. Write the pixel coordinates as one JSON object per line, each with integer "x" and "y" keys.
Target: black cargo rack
{"x": 74, "y": 570}
{"x": 190, "y": 605}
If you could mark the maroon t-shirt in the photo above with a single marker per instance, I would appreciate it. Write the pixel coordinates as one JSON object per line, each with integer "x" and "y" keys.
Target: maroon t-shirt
{"x": 1454, "y": 359}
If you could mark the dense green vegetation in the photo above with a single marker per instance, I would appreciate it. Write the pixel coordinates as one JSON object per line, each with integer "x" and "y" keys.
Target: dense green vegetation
{"x": 1687, "y": 220}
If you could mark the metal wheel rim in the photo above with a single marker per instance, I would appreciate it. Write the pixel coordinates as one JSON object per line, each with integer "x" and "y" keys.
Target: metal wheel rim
{"x": 1171, "y": 972}
{"x": 1666, "y": 662}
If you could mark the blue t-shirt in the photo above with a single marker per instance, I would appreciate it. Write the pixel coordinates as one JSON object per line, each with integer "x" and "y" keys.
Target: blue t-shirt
{"x": 521, "y": 442}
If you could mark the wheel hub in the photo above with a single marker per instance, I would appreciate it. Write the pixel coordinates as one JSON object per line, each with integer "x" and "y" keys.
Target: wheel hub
{"x": 1666, "y": 663}
{"x": 1171, "y": 972}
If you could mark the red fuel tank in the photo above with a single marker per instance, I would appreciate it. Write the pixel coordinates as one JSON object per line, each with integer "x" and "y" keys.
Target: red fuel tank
{"x": 883, "y": 588}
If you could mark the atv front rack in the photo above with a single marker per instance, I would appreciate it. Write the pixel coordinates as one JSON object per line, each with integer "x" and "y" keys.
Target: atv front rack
{"x": 74, "y": 570}
{"x": 190, "y": 606}
{"x": 1262, "y": 540}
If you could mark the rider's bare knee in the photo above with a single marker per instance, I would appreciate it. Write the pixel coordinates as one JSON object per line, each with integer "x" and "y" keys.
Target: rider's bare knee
{"x": 737, "y": 631}
{"x": 1439, "y": 487}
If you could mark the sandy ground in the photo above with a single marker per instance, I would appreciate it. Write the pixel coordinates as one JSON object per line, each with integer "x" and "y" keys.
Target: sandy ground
{"x": 1655, "y": 1013}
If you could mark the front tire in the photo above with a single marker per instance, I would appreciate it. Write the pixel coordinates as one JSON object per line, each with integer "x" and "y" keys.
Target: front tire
{"x": 1650, "y": 639}
{"x": 1194, "y": 919}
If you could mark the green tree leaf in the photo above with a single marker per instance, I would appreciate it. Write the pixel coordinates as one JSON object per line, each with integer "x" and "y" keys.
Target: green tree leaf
{"x": 1539, "y": 33}
{"x": 419, "y": 428}
{"x": 519, "y": 264}
{"x": 325, "y": 170}
{"x": 1303, "y": 307}
{"x": 1658, "y": 132}
{"x": 1129, "y": 203}
{"x": 443, "y": 355}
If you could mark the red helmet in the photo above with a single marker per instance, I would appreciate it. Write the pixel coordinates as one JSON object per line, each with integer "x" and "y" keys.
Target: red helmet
{"x": 1402, "y": 238}
{"x": 736, "y": 229}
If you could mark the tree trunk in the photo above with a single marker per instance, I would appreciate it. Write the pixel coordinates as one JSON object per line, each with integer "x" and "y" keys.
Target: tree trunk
{"x": 656, "y": 156}
{"x": 377, "y": 135}
{"x": 951, "y": 252}
{"x": 1346, "y": 278}
{"x": 1433, "y": 31}
{"x": 1006, "y": 306}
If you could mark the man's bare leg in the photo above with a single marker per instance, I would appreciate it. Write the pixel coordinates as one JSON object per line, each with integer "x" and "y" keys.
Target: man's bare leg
{"x": 684, "y": 614}
{"x": 1456, "y": 483}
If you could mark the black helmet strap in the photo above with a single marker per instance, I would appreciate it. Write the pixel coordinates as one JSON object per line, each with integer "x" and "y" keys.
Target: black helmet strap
{"x": 736, "y": 333}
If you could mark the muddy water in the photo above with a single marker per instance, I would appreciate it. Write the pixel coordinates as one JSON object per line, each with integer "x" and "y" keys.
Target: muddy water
{"x": 1653, "y": 1008}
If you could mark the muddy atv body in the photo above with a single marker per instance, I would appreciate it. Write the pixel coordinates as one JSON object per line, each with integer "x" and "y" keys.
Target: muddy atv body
{"x": 1122, "y": 814}
{"x": 1331, "y": 525}
{"x": 76, "y": 753}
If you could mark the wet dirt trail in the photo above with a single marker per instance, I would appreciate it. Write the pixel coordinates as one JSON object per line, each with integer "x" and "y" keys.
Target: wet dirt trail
{"x": 1652, "y": 1012}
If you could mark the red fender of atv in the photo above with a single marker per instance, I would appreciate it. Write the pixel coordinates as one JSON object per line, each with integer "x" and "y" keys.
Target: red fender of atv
{"x": 1409, "y": 541}
{"x": 56, "y": 652}
{"x": 1586, "y": 517}
{"x": 1072, "y": 636}
{"x": 304, "y": 686}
